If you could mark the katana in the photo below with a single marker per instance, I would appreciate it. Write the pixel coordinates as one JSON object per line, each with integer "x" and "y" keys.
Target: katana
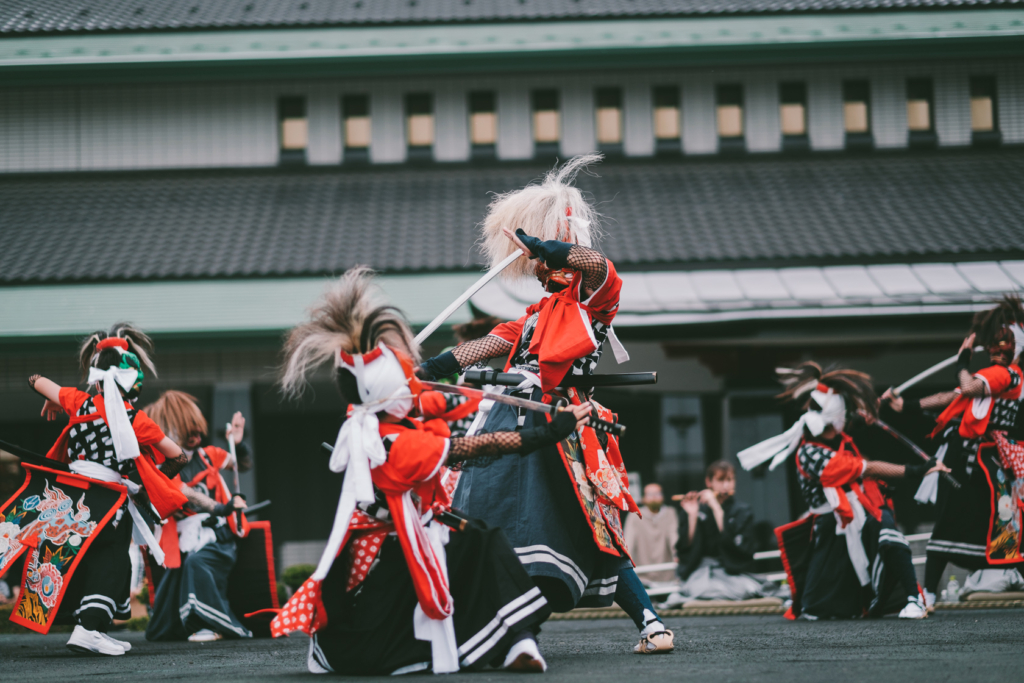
{"x": 455, "y": 305}
{"x": 512, "y": 379}
{"x": 256, "y": 508}
{"x": 921, "y": 376}
{"x": 549, "y": 408}
{"x": 26, "y": 455}
{"x": 893, "y": 432}
{"x": 234, "y": 469}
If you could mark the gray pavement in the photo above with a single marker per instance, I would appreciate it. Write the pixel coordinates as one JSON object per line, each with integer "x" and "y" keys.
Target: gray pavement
{"x": 971, "y": 645}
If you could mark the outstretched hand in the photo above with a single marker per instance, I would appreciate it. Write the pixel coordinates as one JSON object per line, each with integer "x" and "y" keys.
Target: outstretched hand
{"x": 939, "y": 467}
{"x": 237, "y": 427}
{"x": 516, "y": 241}
{"x": 895, "y": 402}
{"x": 51, "y": 410}
{"x": 969, "y": 342}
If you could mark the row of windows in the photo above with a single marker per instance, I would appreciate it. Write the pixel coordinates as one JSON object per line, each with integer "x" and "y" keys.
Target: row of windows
{"x": 667, "y": 119}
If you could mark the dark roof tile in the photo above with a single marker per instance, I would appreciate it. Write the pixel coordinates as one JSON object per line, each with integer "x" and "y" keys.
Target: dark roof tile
{"x": 694, "y": 213}
{"x": 99, "y": 16}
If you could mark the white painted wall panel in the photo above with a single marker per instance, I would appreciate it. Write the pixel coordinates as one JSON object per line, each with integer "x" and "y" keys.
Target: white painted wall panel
{"x": 451, "y": 123}
{"x": 825, "y": 112}
{"x": 761, "y": 114}
{"x": 952, "y": 107}
{"x": 38, "y": 130}
{"x": 578, "y": 124}
{"x": 638, "y": 115}
{"x": 387, "y": 145}
{"x": 1010, "y": 101}
{"x": 700, "y": 132}
{"x": 515, "y": 127}
{"x": 889, "y": 110}
{"x": 323, "y": 107}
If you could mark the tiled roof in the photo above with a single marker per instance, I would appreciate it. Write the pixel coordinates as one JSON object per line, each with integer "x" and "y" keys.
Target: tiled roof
{"x": 87, "y": 16}
{"x": 694, "y": 213}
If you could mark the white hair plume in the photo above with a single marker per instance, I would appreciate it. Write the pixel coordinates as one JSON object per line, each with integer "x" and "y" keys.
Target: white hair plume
{"x": 543, "y": 211}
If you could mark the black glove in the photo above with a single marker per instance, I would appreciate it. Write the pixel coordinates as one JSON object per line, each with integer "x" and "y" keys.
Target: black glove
{"x": 553, "y": 253}
{"x": 224, "y": 509}
{"x": 917, "y": 470}
{"x": 963, "y": 362}
{"x": 440, "y": 367}
{"x": 560, "y": 427}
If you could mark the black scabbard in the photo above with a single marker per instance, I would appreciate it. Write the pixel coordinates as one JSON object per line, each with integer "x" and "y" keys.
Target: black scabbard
{"x": 28, "y": 456}
{"x": 511, "y": 379}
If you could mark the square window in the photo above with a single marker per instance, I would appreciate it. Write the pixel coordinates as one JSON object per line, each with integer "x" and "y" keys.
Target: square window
{"x": 729, "y": 113}
{"x": 546, "y": 119}
{"x": 293, "y": 129}
{"x": 666, "y": 113}
{"x": 419, "y": 112}
{"x": 609, "y": 116}
{"x": 793, "y": 109}
{"x": 919, "y": 105}
{"x": 294, "y": 134}
{"x": 483, "y": 118}
{"x": 855, "y": 117}
{"x": 355, "y": 110}
{"x": 983, "y": 104}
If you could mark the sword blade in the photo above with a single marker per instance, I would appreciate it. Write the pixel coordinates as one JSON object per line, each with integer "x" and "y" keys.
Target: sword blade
{"x": 921, "y": 376}
{"x": 918, "y": 451}
{"x": 476, "y": 287}
{"x": 493, "y": 396}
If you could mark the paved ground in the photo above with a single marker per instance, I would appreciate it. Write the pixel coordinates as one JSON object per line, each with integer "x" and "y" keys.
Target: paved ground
{"x": 971, "y": 645}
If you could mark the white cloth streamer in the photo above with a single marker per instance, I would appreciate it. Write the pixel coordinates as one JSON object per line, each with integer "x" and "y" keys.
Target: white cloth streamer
{"x": 778, "y": 448}
{"x": 853, "y": 532}
{"x": 621, "y": 355}
{"x": 928, "y": 491}
{"x": 141, "y": 533}
{"x": 444, "y": 648}
{"x": 192, "y": 535}
{"x": 126, "y": 445}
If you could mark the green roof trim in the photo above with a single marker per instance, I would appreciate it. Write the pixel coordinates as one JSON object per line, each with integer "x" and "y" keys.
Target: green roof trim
{"x": 208, "y": 307}
{"x": 551, "y": 45}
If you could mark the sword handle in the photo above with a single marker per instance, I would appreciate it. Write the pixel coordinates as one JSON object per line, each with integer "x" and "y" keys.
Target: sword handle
{"x": 613, "y": 428}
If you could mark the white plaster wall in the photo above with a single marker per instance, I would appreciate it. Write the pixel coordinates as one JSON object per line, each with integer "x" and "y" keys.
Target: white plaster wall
{"x": 38, "y": 130}
{"x": 515, "y": 126}
{"x": 889, "y": 109}
{"x": 761, "y": 114}
{"x": 700, "y": 131}
{"x": 451, "y": 123}
{"x": 324, "y": 110}
{"x": 825, "y": 112}
{"x": 578, "y": 124}
{"x": 1010, "y": 95}
{"x": 387, "y": 135}
{"x": 638, "y": 118}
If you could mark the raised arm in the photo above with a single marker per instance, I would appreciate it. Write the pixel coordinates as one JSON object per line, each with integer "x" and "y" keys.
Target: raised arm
{"x": 175, "y": 458}
{"x": 887, "y": 470}
{"x": 558, "y": 255}
{"x": 207, "y": 504}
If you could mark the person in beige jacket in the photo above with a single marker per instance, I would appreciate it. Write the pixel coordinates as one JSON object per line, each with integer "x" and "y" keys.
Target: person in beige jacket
{"x": 652, "y": 538}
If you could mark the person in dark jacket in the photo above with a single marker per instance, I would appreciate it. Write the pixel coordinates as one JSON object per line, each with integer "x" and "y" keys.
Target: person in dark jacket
{"x": 716, "y": 540}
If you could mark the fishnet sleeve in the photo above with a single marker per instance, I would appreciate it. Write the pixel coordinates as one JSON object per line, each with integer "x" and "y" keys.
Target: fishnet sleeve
{"x": 475, "y": 451}
{"x": 591, "y": 263}
{"x": 884, "y": 470}
{"x": 936, "y": 401}
{"x": 481, "y": 349}
{"x": 971, "y": 386}
{"x": 172, "y": 466}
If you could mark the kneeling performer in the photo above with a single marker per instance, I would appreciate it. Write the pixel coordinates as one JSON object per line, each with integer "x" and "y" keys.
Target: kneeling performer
{"x": 395, "y": 590}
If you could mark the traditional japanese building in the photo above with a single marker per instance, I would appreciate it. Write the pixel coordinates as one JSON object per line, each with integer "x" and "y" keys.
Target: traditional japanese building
{"x": 836, "y": 179}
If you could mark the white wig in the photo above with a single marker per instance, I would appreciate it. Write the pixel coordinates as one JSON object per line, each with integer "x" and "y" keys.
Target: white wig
{"x": 552, "y": 210}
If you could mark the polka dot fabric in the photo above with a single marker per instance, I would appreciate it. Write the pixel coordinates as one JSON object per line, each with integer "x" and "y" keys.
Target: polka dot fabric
{"x": 362, "y": 551}
{"x": 303, "y": 612}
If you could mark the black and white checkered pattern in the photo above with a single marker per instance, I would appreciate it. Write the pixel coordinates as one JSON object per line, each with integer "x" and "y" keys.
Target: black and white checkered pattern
{"x": 813, "y": 457}
{"x": 1004, "y": 413}
{"x": 91, "y": 441}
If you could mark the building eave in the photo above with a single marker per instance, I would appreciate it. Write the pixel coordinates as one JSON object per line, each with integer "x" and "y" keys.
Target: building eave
{"x": 555, "y": 46}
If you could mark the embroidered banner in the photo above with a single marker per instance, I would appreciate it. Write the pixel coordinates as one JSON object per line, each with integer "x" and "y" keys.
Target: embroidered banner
{"x": 1002, "y": 545}
{"x": 53, "y": 517}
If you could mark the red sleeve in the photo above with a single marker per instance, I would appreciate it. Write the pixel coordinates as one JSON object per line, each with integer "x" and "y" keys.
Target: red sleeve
{"x": 415, "y": 456}
{"x": 146, "y": 431}
{"x": 842, "y": 469}
{"x": 604, "y": 303}
{"x": 509, "y": 331}
{"x": 218, "y": 456}
{"x": 71, "y": 399}
{"x": 997, "y": 377}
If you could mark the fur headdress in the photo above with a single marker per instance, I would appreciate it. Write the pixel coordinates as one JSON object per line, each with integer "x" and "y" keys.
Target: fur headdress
{"x": 554, "y": 209}
{"x": 350, "y": 317}
{"x": 830, "y": 396}
{"x": 1001, "y": 326}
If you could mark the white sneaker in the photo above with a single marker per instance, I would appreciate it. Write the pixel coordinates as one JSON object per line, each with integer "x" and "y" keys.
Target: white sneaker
{"x": 204, "y": 636}
{"x": 93, "y": 642}
{"x": 123, "y": 643}
{"x": 525, "y": 657}
{"x": 929, "y": 601}
{"x": 915, "y": 609}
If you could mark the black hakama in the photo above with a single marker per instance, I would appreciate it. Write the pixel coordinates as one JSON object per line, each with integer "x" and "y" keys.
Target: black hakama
{"x": 370, "y": 628}
{"x": 532, "y": 498}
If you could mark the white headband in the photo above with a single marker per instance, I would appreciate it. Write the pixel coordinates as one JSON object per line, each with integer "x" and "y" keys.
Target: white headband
{"x": 778, "y": 448}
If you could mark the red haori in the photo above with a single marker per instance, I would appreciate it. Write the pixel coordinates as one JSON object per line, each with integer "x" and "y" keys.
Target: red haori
{"x": 1003, "y": 382}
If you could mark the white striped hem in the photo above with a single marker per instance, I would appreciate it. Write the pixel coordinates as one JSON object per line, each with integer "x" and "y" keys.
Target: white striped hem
{"x": 509, "y": 615}
{"x": 606, "y": 586}
{"x": 953, "y": 547}
{"x": 542, "y": 553}
{"x": 210, "y": 614}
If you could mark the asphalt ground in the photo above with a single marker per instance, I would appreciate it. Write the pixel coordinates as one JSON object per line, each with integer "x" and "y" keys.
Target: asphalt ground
{"x": 969, "y": 645}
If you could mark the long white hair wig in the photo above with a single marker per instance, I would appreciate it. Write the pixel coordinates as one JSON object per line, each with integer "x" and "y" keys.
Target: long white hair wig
{"x": 554, "y": 209}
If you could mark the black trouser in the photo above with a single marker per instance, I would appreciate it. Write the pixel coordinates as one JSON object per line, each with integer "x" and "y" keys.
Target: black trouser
{"x": 99, "y": 591}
